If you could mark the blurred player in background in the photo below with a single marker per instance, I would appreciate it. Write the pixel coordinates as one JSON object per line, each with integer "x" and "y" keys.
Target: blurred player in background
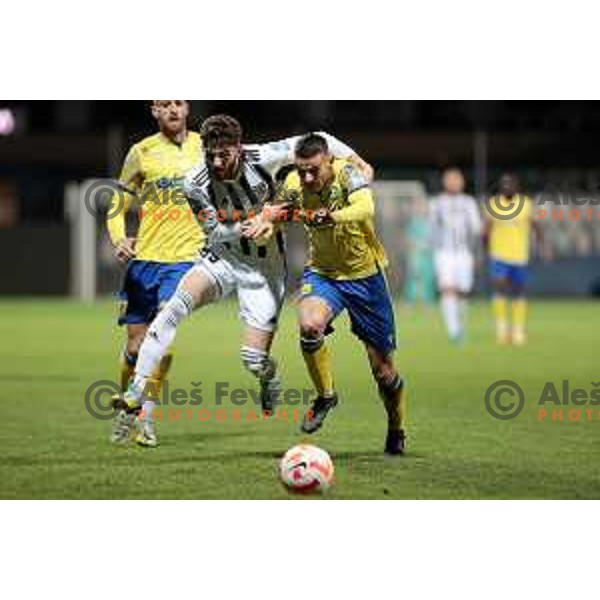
{"x": 509, "y": 221}
{"x": 419, "y": 285}
{"x": 236, "y": 181}
{"x": 344, "y": 272}
{"x": 167, "y": 240}
{"x": 456, "y": 229}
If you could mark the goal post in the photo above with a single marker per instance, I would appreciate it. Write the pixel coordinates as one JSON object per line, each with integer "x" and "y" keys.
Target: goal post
{"x": 82, "y": 244}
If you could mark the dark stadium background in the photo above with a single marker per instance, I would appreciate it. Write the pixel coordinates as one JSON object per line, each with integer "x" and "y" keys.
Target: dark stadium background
{"x": 55, "y": 142}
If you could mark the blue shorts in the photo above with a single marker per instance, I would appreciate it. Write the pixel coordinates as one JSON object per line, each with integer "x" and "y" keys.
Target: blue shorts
{"x": 148, "y": 285}
{"x": 367, "y": 301}
{"x": 516, "y": 275}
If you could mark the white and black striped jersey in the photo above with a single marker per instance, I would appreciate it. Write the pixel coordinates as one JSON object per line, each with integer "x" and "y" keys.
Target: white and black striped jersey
{"x": 223, "y": 205}
{"x": 456, "y": 223}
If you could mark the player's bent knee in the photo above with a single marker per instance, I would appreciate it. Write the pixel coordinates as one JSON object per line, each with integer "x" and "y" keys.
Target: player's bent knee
{"x": 384, "y": 370}
{"x": 200, "y": 287}
{"x": 312, "y": 328}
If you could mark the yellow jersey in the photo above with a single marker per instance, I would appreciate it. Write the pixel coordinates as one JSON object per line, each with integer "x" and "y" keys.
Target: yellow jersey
{"x": 348, "y": 248}
{"x": 155, "y": 169}
{"x": 509, "y": 237}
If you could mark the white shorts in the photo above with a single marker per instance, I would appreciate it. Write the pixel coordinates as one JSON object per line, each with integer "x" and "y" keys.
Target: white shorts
{"x": 454, "y": 270}
{"x": 260, "y": 292}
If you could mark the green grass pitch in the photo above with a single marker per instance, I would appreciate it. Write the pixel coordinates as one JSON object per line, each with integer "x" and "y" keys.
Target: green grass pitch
{"x": 50, "y": 447}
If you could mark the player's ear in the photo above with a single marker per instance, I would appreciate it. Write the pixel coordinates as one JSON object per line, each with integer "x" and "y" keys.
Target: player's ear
{"x": 154, "y": 109}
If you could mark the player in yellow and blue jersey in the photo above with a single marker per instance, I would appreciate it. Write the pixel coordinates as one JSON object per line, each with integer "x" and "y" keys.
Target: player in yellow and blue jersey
{"x": 344, "y": 272}
{"x": 509, "y": 222}
{"x": 168, "y": 238}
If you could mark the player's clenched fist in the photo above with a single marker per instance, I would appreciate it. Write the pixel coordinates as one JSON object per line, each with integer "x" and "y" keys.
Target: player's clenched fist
{"x": 322, "y": 217}
{"x": 125, "y": 249}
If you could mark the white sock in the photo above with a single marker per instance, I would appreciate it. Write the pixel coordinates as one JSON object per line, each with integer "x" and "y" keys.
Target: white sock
{"x": 160, "y": 336}
{"x": 450, "y": 311}
{"x": 462, "y": 313}
{"x": 148, "y": 409}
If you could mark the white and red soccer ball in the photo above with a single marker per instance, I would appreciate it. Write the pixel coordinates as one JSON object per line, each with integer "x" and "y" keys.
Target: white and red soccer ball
{"x": 305, "y": 469}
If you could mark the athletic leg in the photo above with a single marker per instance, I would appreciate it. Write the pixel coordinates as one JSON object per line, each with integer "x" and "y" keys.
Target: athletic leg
{"x": 391, "y": 390}
{"x": 260, "y": 306}
{"x": 314, "y": 315}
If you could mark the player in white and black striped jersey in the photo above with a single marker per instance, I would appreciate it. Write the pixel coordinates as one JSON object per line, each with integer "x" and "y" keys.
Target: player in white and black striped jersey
{"x": 232, "y": 185}
{"x": 456, "y": 229}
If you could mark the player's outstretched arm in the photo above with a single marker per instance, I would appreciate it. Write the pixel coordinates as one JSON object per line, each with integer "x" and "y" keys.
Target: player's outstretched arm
{"x": 340, "y": 150}
{"x": 273, "y": 156}
{"x": 367, "y": 171}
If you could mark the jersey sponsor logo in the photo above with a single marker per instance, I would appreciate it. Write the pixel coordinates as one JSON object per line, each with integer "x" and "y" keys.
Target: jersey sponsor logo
{"x": 165, "y": 183}
{"x": 164, "y": 191}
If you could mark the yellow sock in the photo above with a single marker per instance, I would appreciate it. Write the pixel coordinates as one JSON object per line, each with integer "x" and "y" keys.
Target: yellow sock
{"x": 318, "y": 363}
{"x": 155, "y": 381}
{"x": 519, "y": 312}
{"x": 126, "y": 369}
{"x": 500, "y": 307}
{"x": 519, "y": 315}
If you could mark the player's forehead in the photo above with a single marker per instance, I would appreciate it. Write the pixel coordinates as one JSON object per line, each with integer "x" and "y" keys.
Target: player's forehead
{"x": 222, "y": 148}
{"x": 305, "y": 164}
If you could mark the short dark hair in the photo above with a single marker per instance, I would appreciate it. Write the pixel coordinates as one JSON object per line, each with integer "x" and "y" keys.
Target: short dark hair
{"x": 221, "y": 129}
{"x": 510, "y": 175}
{"x": 311, "y": 145}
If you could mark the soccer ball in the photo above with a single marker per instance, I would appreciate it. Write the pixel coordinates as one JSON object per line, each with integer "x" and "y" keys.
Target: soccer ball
{"x": 306, "y": 469}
